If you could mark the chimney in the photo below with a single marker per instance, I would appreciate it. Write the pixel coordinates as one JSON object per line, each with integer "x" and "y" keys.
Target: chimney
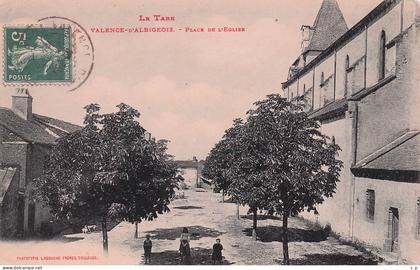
{"x": 307, "y": 32}
{"x": 22, "y": 103}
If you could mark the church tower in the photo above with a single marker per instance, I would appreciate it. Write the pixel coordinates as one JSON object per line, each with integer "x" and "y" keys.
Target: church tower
{"x": 328, "y": 26}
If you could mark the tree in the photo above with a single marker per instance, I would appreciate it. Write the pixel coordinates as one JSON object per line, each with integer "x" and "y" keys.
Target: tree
{"x": 295, "y": 163}
{"x": 229, "y": 164}
{"x": 278, "y": 161}
{"x": 218, "y": 163}
{"x": 248, "y": 185}
{"x": 108, "y": 170}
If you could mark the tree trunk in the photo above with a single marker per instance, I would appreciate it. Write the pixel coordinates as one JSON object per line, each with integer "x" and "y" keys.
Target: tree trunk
{"x": 136, "y": 231}
{"x": 254, "y": 219}
{"x": 223, "y": 195}
{"x": 104, "y": 236}
{"x": 254, "y": 223}
{"x": 237, "y": 210}
{"x": 285, "y": 239}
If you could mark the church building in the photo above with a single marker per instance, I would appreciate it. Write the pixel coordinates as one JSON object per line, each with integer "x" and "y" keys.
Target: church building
{"x": 362, "y": 84}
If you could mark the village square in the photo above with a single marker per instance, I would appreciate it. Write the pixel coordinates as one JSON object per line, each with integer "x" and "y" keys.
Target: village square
{"x": 322, "y": 171}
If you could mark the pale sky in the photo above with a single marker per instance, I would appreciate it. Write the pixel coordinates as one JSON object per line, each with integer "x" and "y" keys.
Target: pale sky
{"x": 188, "y": 87}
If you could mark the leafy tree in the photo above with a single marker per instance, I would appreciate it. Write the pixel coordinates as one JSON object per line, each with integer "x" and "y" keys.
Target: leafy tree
{"x": 295, "y": 164}
{"x": 278, "y": 160}
{"x": 230, "y": 165}
{"x": 219, "y": 162}
{"x": 248, "y": 185}
{"x": 108, "y": 170}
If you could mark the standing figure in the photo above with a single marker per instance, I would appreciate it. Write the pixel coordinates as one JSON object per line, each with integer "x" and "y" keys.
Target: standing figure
{"x": 184, "y": 245}
{"x": 147, "y": 245}
{"x": 217, "y": 252}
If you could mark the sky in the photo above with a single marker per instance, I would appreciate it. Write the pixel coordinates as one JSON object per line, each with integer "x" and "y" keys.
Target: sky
{"x": 188, "y": 87}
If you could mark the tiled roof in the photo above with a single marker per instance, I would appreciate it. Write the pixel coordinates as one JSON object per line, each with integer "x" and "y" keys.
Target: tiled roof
{"x": 402, "y": 154}
{"x": 36, "y": 131}
{"x": 6, "y": 176}
{"x": 187, "y": 163}
{"x": 59, "y": 124}
{"x": 332, "y": 109}
{"x": 367, "y": 91}
{"x": 329, "y": 25}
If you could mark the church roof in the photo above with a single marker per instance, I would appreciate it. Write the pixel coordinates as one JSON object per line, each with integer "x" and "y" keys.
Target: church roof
{"x": 360, "y": 26}
{"x": 329, "y": 25}
{"x": 402, "y": 154}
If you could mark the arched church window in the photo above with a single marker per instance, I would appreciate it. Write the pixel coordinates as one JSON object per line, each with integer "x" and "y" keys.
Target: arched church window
{"x": 382, "y": 55}
{"x": 346, "y": 80}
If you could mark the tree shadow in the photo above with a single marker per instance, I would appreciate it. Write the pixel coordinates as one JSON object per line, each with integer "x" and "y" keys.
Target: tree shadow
{"x": 274, "y": 233}
{"x": 38, "y": 238}
{"x": 68, "y": 239}
{"x": 261, "y": 217}
{"x": 188, "y": 207}
{"x": 332, "y": 259}
{"x": 199, "y": 256}
{"x": 196, "y": 233}
{"x": 77, "y": 225}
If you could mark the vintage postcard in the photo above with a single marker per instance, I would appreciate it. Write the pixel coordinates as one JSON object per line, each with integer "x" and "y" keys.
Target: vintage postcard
{"x": 210, "y": 132}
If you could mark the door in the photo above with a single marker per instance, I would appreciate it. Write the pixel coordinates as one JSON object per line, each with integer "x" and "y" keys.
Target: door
{"x": 31, "y": 218}
{"x": 21, "y": 216}
{"x": 394, "y": 228}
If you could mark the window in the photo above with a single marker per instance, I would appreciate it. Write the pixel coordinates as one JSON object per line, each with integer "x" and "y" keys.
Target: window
{"x": 304, "y": 88}
{"x": 291, "y": 97}
{"x": 322, "y": 79}
{"x": 333, "y": 140}
{"x": 370, "y": 204}
{"x": 382, "y": 54}
{"x": 418, "y": 218}
{"x": 347, "y": 64}
{"x": 346, "y": 70}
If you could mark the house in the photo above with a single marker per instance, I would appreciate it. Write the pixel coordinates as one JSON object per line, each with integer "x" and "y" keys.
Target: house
{"x": 191, "y": 169}
{"x": 26, "y": 139}
{"x": 362, "y": 85}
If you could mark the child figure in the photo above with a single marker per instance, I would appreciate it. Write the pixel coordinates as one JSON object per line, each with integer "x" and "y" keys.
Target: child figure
{"x": 217, "y": 252}
{"x": 147, "y": 245}
{"x": 184, "y": 245}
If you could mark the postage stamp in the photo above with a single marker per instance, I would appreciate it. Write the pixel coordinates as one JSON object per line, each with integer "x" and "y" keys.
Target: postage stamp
{"x": 37, "y": 55}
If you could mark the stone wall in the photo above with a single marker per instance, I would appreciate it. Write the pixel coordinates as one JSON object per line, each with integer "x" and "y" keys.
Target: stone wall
{"x": 402, "y": 196}
{"x": 9, "y": 215}
{"x": 30, "y": 159}
{"x": 335, "y": 211}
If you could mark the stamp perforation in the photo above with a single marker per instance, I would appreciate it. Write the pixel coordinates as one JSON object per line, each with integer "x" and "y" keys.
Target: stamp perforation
{"x": 53, "y": 54}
